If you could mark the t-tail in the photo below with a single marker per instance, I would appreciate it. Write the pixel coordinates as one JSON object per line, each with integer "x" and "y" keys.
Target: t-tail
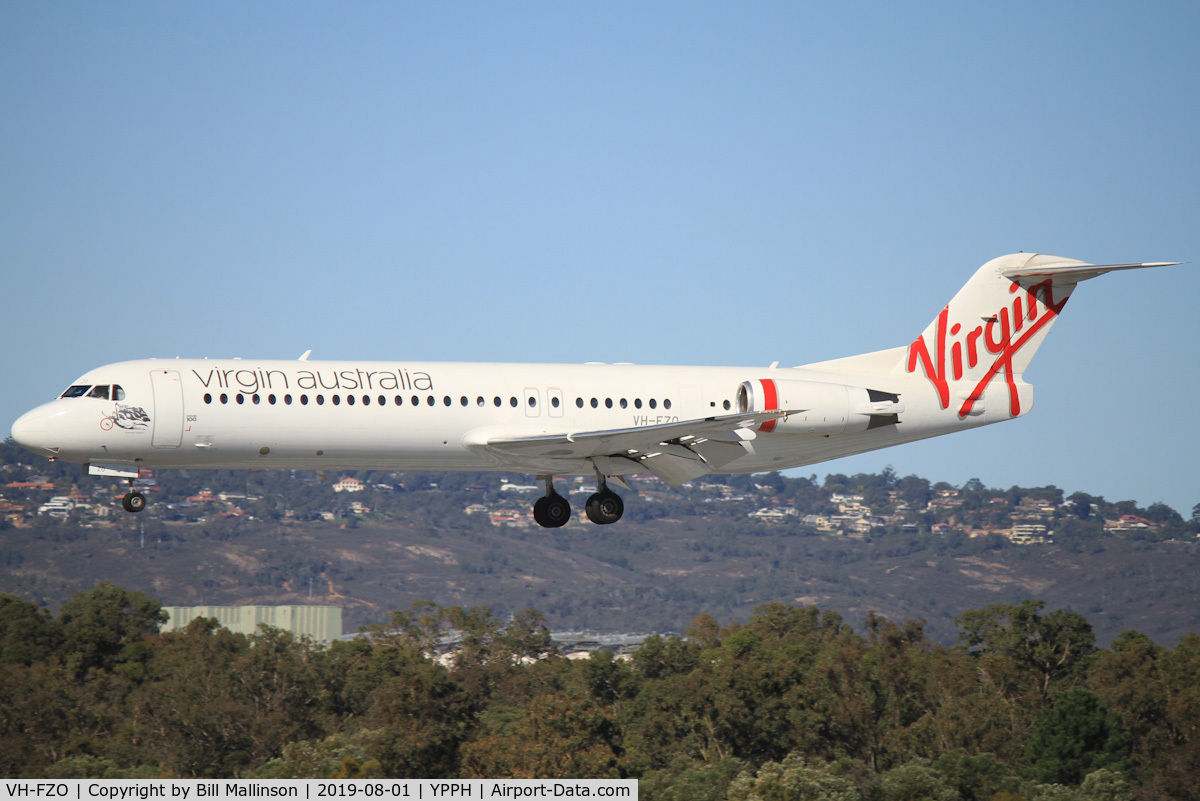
{"x": 990, "y": 330}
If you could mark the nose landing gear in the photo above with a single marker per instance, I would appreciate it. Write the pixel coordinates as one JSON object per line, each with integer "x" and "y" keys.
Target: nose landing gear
{"x": 133, "y": 501}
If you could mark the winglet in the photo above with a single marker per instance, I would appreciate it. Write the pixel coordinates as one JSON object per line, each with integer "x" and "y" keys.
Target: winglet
{"x": 304, "y": 356}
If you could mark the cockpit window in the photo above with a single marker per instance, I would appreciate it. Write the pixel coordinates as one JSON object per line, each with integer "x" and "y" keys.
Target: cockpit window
{"x": 118, "y": 392}
{"x": 100, "y": 391}
{"x": 77, "y": 391}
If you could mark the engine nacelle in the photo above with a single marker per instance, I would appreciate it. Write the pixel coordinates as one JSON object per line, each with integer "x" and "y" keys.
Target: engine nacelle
{"x": 816, "y": 407}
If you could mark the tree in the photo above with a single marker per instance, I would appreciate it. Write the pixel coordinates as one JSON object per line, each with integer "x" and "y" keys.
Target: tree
{"x": 976, "y": 777}
{"x": 916, "y": 781}
{"x": 1074, "y": 736}
{"x": 422, "y": 715}
{"x": 704, "y": 630}
{"x": 324, "y": 759}
{"x": 657, "y": 658}
{"x": 1051, "y": 648}
{"x": 792, "y": 779}
{"x": 974, "y": 486}
{"x": 915, "y": 491}
{"x": 691, "y": 780}
{"x": 100, "y": 624}
{"x": 1162, "y": 514}
{"x": 1081, "y": 505}
{"x": 27, "y": 634}
{"x": 216, "y": 703}
{"x": 1106, "y": 785}
{"x": 36, "y": 717}
{"x": 556, "y": 736}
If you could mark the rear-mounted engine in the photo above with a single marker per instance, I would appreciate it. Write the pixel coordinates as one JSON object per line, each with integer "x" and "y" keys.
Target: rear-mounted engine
{"x": 815, "y": 407}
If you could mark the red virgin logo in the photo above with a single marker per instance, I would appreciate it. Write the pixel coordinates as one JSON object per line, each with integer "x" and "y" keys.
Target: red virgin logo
{"x": 1000, "y": 336}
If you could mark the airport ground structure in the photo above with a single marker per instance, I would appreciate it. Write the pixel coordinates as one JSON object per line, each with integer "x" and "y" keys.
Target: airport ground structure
{"x": 321, "y": 624}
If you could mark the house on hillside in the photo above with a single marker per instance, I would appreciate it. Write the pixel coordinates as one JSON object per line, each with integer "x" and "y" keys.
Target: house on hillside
{"x": 1128, "y": 523}
{"x": 1027, "y": 534}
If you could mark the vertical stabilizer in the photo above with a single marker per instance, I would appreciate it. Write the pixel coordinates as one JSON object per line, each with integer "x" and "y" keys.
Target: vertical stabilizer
{"x": 990, "y": 330}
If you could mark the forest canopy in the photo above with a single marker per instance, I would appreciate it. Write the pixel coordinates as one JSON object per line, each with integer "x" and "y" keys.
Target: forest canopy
{"x": 794, "y": 703}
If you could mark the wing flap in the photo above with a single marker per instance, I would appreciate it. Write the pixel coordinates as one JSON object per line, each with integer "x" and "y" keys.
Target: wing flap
{"x": 674, "y": 470}
{"x": 677, "y": 452}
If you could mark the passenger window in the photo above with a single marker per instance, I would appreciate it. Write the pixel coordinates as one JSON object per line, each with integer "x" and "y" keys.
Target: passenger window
{"x": 554, "y": 402}
{"x": 208, "y": 397}
{"x": 653, "y": 403}
{"x": 416, "y": 401}
{"x": 608, "y": 403}
{"x": 726, "y": 404}
{"x": 464, "y": 400}
{"x": 320, "y": 400}
{"x": 479, "y": 401}
{"x": 224, "y": 398}
{"x": 382, "y": 400}
{"x": 77, "y": 391}
{"x": 532, "y": 401}
{"x": 446, "y": 400}
{"x": 271, "y": 399}
{"x": 118, "y": 392}
{"x": 667, "y": 404}
{"x": 350, "y": 399}
{"x": 399, "y": 401}
{"x": 595, "y": 403}
{"x": 512, "y": 402}
{"x": 337, "y": 400}
{"x": 100, "y": 392}
{"x": 256, "y": 399}
{"x": 637, "y": 403}
{"x": 579, "y": 402}
{"x": 430, "y": 401}
{"x": 303, "y": 400}
{"x": 241, "y": 399}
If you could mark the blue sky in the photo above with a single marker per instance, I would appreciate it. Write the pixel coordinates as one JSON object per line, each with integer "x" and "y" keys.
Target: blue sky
{"x": 680, "y": 183}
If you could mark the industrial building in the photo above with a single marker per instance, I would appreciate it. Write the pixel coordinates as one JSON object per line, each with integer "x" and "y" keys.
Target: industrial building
{"x": 322, "y": 624}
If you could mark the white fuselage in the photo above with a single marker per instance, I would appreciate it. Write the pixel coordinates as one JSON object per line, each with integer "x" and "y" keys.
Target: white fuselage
{"x": 187, "y": 413}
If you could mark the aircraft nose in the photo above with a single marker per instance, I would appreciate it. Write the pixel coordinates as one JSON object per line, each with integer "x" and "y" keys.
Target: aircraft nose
{"x": 32, "y": 432}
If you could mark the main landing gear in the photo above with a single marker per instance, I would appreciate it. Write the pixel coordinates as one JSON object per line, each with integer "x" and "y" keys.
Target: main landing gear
{"x": 605, "y": 506}
{"x": 133, "y": 501}
{"x": 553, "y": 510}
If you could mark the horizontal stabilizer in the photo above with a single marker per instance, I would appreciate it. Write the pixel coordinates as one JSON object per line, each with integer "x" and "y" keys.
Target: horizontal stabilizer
{"x": 1072, "y": 272}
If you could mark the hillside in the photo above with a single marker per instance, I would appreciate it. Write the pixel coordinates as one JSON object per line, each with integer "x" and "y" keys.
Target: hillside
{"x": 678, "y": 553}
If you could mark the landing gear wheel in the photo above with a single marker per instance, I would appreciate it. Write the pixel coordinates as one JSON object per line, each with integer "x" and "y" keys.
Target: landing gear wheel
{"x": 604, "y": 507}
{"x": 133, "y": 502}
{"x": 551, "y": 511}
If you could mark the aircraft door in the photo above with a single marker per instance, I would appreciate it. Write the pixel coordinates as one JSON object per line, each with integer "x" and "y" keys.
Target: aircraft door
{"x": 532, "y": 403}
{"x": 554, "y": 397}
{"x": 168, "y": 409}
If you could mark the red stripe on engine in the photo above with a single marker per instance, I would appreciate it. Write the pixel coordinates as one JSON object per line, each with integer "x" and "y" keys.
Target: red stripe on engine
{"x": 770, "y": 402}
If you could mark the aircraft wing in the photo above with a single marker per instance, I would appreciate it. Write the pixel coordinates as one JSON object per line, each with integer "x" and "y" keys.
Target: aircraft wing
{"x": 676, "y": 452}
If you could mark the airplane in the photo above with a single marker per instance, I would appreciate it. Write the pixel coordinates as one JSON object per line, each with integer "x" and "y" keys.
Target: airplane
{"x": 608, "y": 420}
